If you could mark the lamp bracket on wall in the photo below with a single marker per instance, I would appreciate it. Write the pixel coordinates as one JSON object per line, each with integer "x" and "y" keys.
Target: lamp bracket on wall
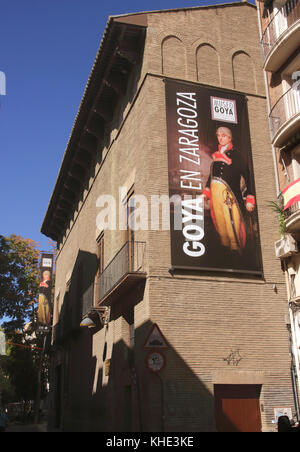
{"x": 96, "y": 317}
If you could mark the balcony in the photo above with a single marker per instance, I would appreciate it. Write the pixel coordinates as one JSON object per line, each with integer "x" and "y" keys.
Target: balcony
{"x": 123, "y": 273}
{"x": 291, "y": 196}
{"x": 282, "y": 36}
{"x": 285, "y": 117}
{"x": 292, "y": 219}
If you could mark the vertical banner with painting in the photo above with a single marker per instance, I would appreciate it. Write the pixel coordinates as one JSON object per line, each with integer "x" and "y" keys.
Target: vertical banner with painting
{"x": 211, "y": 172}
{"x": 44, "y": 305}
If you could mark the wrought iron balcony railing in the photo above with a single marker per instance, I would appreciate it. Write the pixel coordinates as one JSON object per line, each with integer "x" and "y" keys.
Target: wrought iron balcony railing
{"x": 126, "y": 267}
{"x": 287, "y": 106}
{"x": 286, "y": 16}
{"x": 124, "y": 271}
{"x": 291, "y": 210}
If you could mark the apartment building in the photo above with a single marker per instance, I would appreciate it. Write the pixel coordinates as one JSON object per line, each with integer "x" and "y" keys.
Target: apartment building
{"x": 280, "y": 37}
{"x": 170, "y": 305}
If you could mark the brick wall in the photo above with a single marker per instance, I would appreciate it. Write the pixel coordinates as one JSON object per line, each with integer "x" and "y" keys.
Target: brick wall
{"x": 204, "y": 318}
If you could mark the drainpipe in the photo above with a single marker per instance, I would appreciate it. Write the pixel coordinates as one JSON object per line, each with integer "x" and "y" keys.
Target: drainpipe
{"x": 296, "y": 397}
{"x": 294, "y": 360}
{"x": 293, "y": 345}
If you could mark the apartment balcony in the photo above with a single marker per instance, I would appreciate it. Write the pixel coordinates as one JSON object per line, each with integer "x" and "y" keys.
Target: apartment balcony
{"x": 282, "y": 36}
{"x": 292, "y": 219}
{"x": 291, "y": 196}
{"x": 285, "y": 117}
{"x": 124, "y": 272}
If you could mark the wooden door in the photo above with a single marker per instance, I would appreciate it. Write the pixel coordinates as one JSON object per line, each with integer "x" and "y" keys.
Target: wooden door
{"x": 237, "y": 408}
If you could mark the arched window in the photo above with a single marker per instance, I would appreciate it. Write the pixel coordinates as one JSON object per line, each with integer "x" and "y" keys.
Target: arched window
{"x": 173, "y": 57}
{"x": 207, "y": 63}
{"x": 243, "y": 72}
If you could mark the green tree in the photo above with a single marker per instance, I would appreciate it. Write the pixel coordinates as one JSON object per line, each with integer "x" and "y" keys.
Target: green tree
{"x": 25, "y": 366}
{"x": 277, "y": 207}
{"x": 7, "y": 390}
{"x": 19, "y": 288}
{"x": 19, "y": 280}
{"x": 20, "y": 368}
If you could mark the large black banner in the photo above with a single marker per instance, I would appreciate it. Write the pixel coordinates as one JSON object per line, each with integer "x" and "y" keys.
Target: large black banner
{"x": 210, "y": 169}
{"x": 44, "y": 305}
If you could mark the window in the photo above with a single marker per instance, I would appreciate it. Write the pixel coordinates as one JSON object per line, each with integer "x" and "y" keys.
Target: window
{"x": 129, "y": 232}
{"x": 296, "y": 165}
{"x": 130, "y": 217}
{"x": 291, "y": 93}
{"x": 292, "y": 286}
{"x": 100, "y": 252}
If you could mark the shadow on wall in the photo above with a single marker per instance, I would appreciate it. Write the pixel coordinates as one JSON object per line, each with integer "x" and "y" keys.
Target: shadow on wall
{"x": 71, "y": 350}
{"x": 99, "y": 387}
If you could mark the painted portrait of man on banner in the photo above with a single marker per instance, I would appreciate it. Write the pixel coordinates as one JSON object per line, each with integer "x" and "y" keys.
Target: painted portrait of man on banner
{"x": 210, "y": 161}
{"x": 44, "y": 301}
{"x": 229, "y": 190}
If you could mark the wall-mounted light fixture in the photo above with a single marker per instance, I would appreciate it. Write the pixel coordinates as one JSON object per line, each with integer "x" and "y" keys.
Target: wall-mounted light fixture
{"x": 96, "y": 317}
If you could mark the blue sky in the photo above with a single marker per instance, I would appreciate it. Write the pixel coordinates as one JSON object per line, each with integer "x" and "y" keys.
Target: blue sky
{"x": 47, "y": 49}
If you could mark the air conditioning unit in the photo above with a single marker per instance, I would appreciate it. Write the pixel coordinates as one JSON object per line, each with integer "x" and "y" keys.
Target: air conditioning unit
{"x": 286, "y": 246}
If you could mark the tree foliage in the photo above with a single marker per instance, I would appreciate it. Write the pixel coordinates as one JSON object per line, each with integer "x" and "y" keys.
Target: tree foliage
{"x": 24, "y": 366}
{"x": 20, "y": 366}
{"x": 19, "y": 280}
{"x": 277, "y": 207}
{"x": 7, "y": 390}
{"x": 19, "y": 288}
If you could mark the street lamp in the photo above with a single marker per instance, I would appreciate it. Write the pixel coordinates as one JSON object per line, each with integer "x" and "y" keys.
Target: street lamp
{"x": 96, "y": 317}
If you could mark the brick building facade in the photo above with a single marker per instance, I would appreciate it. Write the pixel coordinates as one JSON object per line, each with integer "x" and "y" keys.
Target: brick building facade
{"x": 224, "y": 344}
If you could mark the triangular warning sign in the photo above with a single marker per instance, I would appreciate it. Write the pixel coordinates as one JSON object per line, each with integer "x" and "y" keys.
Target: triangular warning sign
{"x": 155, "y": 339}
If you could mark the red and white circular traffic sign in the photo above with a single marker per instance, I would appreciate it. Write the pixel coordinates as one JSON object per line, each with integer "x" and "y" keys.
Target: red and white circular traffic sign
{"x": 155, "y": 361}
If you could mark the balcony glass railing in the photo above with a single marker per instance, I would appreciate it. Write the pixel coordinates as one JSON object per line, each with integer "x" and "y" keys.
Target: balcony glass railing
{"x": 283, "y": 18}
{"x": 287, "y": 106}
{"x": 128, "y": 260}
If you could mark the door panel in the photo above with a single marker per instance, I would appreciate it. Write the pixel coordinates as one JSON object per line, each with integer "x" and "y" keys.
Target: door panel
{"x": 237, "y": 408}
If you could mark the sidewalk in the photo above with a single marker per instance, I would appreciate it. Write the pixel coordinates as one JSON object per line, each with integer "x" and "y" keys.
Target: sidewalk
{"x": 27, "y": 428}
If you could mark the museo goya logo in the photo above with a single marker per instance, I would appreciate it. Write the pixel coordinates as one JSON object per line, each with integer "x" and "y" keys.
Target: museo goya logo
{"x": 2, "y": 84}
